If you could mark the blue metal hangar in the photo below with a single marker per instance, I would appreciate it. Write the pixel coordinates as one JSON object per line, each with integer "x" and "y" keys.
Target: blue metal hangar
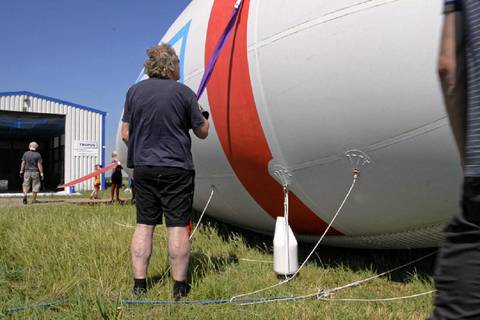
{"x": 71, "y": 139}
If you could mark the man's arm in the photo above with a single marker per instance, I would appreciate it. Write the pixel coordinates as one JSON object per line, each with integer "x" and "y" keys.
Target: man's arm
{"x": 202, "y": 131}
{"x": 40, "y": 165}
{"x": 124, "y": 132}
{"x": 448, "y": 73}
{"x": 447, "y": 61}
{"x": 40, "y": 168}
{"x": 22, "y": 166}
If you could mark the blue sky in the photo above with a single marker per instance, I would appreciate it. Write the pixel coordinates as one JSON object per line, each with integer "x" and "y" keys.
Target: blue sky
{"x": 88, "y": 52}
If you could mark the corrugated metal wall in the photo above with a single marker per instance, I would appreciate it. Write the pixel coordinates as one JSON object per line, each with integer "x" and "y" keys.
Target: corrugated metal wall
{"x": 80, "y": 124}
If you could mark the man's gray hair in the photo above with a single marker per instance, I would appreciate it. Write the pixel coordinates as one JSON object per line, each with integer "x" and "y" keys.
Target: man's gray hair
{"x": 33, "y": 146}
{"x": 160, "y": 61}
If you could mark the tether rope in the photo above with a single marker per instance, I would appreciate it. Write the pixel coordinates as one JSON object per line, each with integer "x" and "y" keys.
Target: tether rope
{"x": 379, "y": 299}
{"x": 328, "y": 292}
{"x": 355, "y": 177}
{"x": 203, "y": 213}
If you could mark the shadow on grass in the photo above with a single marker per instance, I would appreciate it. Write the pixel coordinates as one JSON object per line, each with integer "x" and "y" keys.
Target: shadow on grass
{"x": 199, "y": 266}
{"x": 377, "y": 261}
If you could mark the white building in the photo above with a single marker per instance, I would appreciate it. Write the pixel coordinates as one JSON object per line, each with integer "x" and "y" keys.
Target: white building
{"x": 71, "y": 138}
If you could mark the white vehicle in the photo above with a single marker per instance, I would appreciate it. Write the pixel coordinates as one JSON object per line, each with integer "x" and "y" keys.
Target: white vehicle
{"x": 299, "y": 84}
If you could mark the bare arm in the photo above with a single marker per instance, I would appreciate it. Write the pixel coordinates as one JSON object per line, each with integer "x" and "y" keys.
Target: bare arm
{"x": 448, "y": 73}
{"x": 22, "y": 166}
{"x": 125, "y": 128}
{"x": 202, "y": 131}
{"x": 40, "y": 167}
{"x": 447, "y": 64}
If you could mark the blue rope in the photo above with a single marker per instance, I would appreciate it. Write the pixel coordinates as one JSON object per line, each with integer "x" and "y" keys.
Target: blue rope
{"x": 152, "y": 302}
{"x": 199, "y": 302}
{"x": 41, "y": 305}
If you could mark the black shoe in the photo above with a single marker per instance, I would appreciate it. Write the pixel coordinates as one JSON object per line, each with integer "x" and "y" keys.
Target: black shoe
{"x": 139, "y": 286}
{"x": 180, "y": 289}
{"x": 25, "y": 201}
{"x": 138, "y": 291}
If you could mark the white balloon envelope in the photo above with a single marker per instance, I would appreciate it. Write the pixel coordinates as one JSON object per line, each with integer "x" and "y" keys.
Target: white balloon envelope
{"x": 298, "y": 85}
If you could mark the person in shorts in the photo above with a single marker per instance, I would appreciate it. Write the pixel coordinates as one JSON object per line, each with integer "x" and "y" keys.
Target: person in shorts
{"x": 96, "y": 184}
{"x": 31, "y": 171}
{"x": 158, "y": 115}
{"x": 116, "y": 178}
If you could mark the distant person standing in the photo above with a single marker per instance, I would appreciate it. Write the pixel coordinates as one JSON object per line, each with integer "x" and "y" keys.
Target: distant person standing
{"x": 158, "y": 114}
{"x": 457, "y": 274}
{"x": 116, "y": 177}
{"x": 96, "y": 184}
{"x": 31, "y": 171}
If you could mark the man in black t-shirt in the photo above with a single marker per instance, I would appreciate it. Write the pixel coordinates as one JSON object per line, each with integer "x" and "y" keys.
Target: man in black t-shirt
{"x": 457, "y": 272}
{"x": 31, "y": 172}
{"x": 158, "y": 114}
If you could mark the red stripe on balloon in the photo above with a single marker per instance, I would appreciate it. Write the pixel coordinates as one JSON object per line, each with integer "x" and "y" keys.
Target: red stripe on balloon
{"x": 238, "y": 125}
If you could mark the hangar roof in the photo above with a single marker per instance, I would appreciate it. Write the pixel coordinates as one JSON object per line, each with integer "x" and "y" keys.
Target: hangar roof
{"x": 36, "y": 95}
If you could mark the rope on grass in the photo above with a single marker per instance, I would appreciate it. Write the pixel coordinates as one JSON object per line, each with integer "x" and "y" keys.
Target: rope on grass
{"x": 41, "y": 305}
{"x": 124, "y": 225}
{"x": 355, "y": 177}
{"x": 253, "y": 260}
{"x": 356, "y": 283}
{"x": 146, "y": 302}
{"x": 326, "y": 293}
{"x": 379, "y": 299}
{"x": 243, "y": 302}
{"x": 194, "y": 302}
{"x": 318, "y": 295}
{"x": 322, "y": 296}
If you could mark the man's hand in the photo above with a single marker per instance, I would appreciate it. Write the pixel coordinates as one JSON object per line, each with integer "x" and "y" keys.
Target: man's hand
{"x": 204, "y": 112}
{"x": 21, "y": 175}
{"x": 42, "y": 177}
{"x": 202, "y": 131}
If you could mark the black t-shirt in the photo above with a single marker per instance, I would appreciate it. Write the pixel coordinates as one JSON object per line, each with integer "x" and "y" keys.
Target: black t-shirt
{"x": 32, "y": 159}
{"x": 160, "y": 113}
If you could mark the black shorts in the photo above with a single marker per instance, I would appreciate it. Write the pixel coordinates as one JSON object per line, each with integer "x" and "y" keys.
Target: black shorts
{"x": 117, "y": 177}
{"x": 164, "y": 191}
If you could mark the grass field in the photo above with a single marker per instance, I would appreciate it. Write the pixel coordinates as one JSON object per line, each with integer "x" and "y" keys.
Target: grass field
{"x": 80, "y": 256}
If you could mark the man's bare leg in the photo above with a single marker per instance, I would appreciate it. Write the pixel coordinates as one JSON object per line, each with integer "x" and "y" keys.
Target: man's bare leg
{"x": 141, "y": 250}
{"x": 179, "y": 254}
{"x": 25, "y": 192}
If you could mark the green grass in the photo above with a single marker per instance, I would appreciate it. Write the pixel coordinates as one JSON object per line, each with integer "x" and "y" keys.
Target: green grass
{"x": 80, "y": 256}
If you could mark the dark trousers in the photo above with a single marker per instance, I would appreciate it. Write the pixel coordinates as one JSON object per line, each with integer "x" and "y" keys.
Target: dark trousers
{"x": 457, "y": 274}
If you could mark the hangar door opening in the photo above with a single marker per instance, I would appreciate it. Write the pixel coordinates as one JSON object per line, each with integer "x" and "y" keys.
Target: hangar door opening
{"x": 17, "y": 130}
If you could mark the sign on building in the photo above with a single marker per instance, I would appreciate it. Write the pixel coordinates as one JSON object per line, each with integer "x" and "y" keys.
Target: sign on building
{"x": 85, "y": 148}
